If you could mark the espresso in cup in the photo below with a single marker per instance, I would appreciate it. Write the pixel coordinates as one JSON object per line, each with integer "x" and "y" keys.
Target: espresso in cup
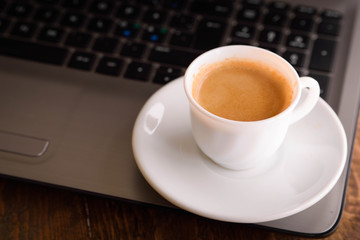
{"x": 242, "y": 90}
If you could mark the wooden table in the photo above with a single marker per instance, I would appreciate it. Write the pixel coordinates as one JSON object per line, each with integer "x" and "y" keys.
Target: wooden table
{"x": 30, "y": 211}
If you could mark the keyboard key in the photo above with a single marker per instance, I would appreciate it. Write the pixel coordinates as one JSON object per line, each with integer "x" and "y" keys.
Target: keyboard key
{"x": 323, "y": 81}
{"x": 127, "y": 29}
{"x": 138, "y": 70}
{"x": 172, "y": 56}
{"x": 301, "y": 23}
{"x": 133, "y": 49}
{"x": 323, "y": 55}
{"x": 166, "y": 74}
{"x": 248, "y": 14}
{"x": 24, "y": 29}
{"x": 174, "y": 4}
{"x": 20, "y": 10}
{"x": 82, "y": 60}
{"x": 47, "y": 2}
{"x": 75, "y": 4}
{"x": 212, "y": 8}
{"x": 100, "y": 25}
{"x": 105, "y": 44}
{"x": 181, "y": 39}
{"x": 154, "y": 34}
{"x": 305, "y": 10}
{"x": 181, "y": 21}
{"x": 329, "y": 14}
{"x": 48, "y": 15}
{"x": 3, "y": 25}
{"x": 72, "y": 19}
{"x": 33, "y": 51}
{"x": 155, "y": 16}
{"x": 128, "y": 12}
{"x": 294, "y": 58}
{"x": 297, "y": 41}
{"x": 253, "y": 3}
{"x": 102, "y": 7}
{"x": 209, "y": 34}
{"x": 243, "y": 32}
{"x": 275, "y": 19}
{"x": 279, "y": 6}
{"x": 78, "y": 39}
{"x": 329, "y": 28}
{"x": 51, "y": 34}
{"x": 270, "y": 36}
{"x": 110, "y": 66}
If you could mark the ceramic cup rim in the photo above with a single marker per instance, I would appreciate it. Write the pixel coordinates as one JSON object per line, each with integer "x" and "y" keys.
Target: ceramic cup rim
{"x": 191, "y": 71}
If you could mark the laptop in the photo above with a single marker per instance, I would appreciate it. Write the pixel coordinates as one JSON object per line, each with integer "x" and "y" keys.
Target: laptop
{"x": 74, "y": 75}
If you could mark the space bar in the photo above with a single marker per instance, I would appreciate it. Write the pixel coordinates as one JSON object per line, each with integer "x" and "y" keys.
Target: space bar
{"x": 33, "y": 51}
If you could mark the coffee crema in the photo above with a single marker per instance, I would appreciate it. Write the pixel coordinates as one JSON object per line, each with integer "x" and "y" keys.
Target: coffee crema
{"x": 242, "y": 90}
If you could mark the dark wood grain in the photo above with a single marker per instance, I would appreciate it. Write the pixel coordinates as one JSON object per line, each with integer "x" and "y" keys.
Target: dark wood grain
{"x": 30, "y": 211}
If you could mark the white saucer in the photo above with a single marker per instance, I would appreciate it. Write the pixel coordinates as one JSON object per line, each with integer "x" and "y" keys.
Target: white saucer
{"x": 303, "y": 171}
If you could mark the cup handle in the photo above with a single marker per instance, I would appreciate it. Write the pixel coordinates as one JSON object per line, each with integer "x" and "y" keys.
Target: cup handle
{"x": 308, "y": 103}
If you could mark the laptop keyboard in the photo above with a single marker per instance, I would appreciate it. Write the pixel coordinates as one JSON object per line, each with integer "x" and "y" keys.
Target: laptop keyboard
{"x": 154, "y": 41}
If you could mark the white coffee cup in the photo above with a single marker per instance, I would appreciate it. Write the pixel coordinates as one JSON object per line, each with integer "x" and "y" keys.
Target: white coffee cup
{"x": 240, "y": 145}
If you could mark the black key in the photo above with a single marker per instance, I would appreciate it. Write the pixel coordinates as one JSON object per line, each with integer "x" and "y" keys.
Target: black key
{"x": 301, "y": 23}
{"x": 133, "y": 49}
{"x": 323, "y": 55}
{"x": 172, "y": 56}
{"x": 101, "y": 25}
{"x": 48, "y": 15}
{"x": 47, "y": 2}
{"x": 138, "y": 71}
{"x": 323, "y": 81}
{"x": 78, "y": 39}
{"x": 248, "y": 14}
{"x": 75, "y": 4}
{"x": 154, "y": 34}
{"x": 294, "y": 58}
{"x": 329, "y": 14}
{"x": 275, "y": 19}
{"x": 174, "y": 4}
{"x": 209, "y": 34}
{"x": 105, "y": 44}
{"x": 329, "y": 28}
{"x": 73, "y": 19}
{"x": 127, "y": 29}
{"x": 24, "y": 29}
{"x": 51, "y": 34}
{"x": 166, "y": 74}
{"x": 3, "y": 24}
{"x": 253, "y": 3}
{"x": 128, "y": 11}
{"x": 270, "y": 36}
{"x": 212, "y": 8}
{"x": 110, "y": 66}
{"x": 155, "y": 16}
{"x": 297, "y": 41}
{"x": 305, "y": 10}
{"x": 103, "y": 7}
{"x": 279, "y": 6}
{"x": 181, "y": 21}
{"x": 20, "y": 10}
{"x": 182, "y": 39}
{"x": 2, "y": 5}
{"x": 33, "y": 51}
{"x": 82, "y": 60}
{"x": 243, "y": 32}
